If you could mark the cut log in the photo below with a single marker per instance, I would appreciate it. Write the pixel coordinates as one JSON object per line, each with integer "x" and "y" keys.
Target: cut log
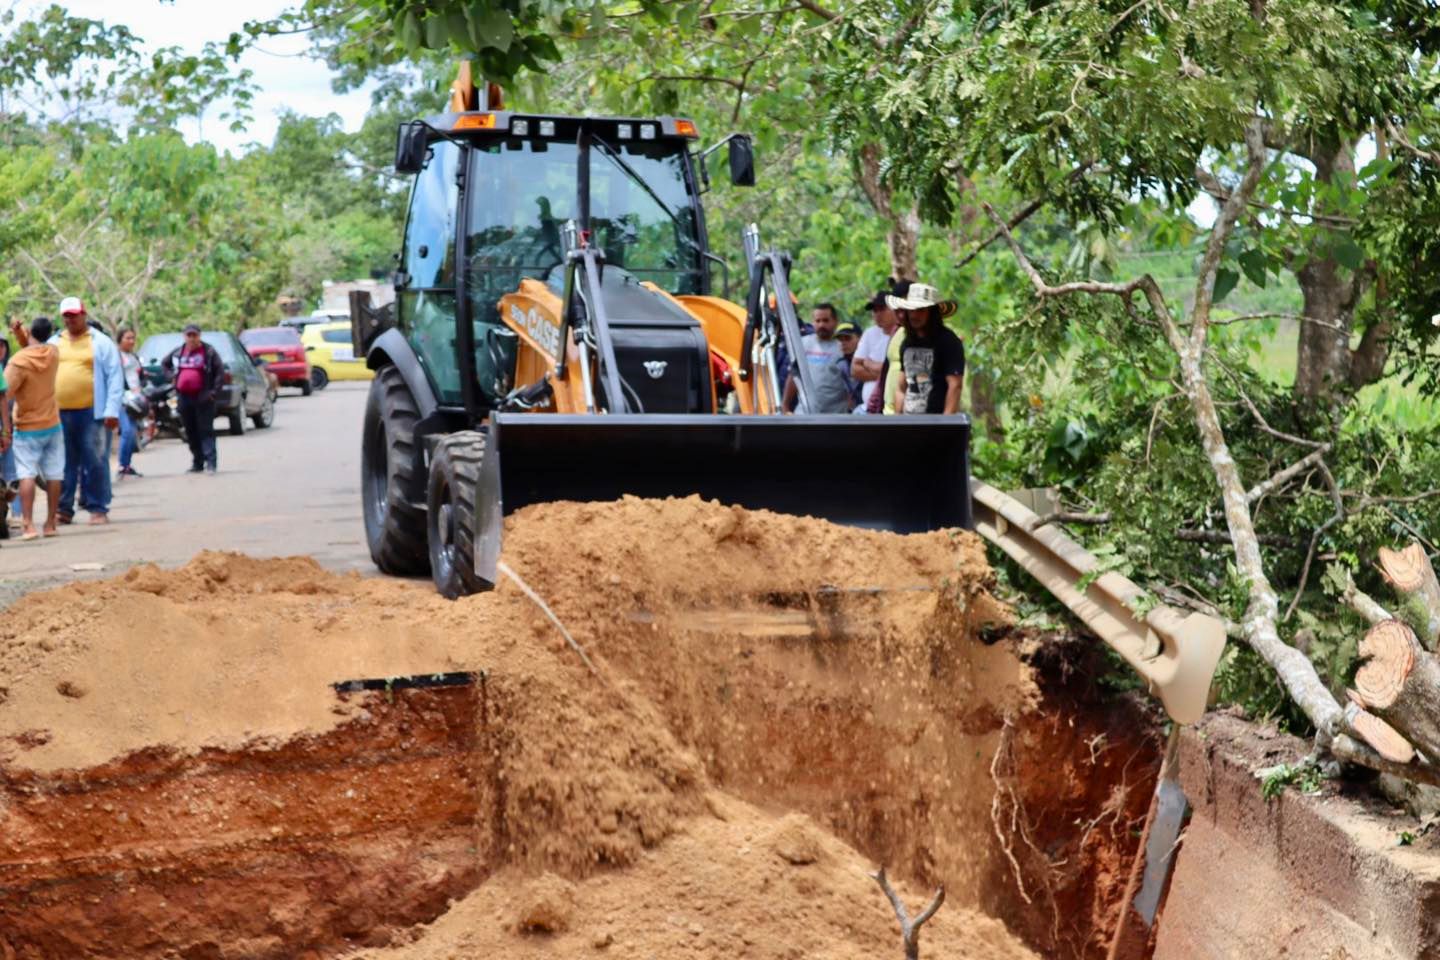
{"x": 1400, "y": 683}
{"x": 1382, "y": 737}
{"x": 1409, "y": 571}
{"x": 1389, "y": 650}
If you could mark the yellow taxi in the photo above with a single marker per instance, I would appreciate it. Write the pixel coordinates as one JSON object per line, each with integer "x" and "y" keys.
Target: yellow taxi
{"x": 332, "y": 355}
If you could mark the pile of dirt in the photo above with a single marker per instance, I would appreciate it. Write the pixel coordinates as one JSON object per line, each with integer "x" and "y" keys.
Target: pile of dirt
{"x": 747, "y": 666}
{"x": 734, "y": 882}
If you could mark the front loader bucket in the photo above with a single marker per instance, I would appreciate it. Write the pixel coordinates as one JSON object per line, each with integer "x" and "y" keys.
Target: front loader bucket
{"x": 906, "y": 474}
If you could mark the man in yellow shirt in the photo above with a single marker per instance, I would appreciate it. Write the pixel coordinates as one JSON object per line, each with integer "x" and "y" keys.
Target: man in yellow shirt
{"x": 88, "y": 388}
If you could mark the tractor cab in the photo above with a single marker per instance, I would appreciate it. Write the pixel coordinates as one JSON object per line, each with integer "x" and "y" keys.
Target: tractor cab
{"x": 502, "y": 197}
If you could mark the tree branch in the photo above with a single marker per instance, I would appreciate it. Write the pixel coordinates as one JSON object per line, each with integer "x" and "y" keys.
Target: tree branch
{"x": 1362, "y": 603}
{"x": 1316, "y": 534}
{"x": 1212, "y": 186}
{"x": 1298, "y": 318}
{"x": 1221, "y": 536}
{"x": 818, "y": 10}
{"x": 1284, "y": 476}
{"x": 1067, "y": 516}
{"x": 909, "y": 929}
{"x": 1429, "y": 156}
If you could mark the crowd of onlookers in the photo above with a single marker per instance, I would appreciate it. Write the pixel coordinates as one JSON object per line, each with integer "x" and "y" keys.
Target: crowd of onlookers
{"x": 63, "y": 395}
{"x": 907, "y": 362}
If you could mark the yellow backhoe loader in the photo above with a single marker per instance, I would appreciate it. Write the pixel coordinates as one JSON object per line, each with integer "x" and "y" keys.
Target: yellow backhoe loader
{"x": 557, "y": 335}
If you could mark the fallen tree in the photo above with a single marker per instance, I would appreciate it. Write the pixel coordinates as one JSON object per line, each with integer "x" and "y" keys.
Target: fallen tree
{"x": 1156, "y": 105}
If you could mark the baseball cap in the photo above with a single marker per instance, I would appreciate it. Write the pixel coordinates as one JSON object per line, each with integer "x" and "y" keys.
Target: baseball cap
{"x": 898, "y": 288}
{"x": 71, "y": 305}
{"x": 191, "y": 328}
{"x": 847, "y": 327}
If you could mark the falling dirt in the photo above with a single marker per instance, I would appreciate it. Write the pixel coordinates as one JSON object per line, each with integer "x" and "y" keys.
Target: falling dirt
{"x": 777, "y": 705}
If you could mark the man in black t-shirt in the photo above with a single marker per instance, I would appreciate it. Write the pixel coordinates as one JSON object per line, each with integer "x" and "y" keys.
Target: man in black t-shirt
{"x": 932, "y": 358}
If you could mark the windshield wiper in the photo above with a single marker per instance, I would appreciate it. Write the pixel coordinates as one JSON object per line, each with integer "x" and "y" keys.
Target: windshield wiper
{"x": 630, "y": 172}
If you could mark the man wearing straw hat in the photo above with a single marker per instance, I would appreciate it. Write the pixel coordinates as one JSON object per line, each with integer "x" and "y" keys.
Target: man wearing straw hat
{"x": 932, "y": 358}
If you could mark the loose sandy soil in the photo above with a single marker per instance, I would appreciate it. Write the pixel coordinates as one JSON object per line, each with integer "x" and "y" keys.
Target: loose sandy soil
{"x": 770, "y": 693}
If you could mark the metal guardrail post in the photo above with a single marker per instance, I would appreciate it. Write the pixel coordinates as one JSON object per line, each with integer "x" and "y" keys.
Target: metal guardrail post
{"x": 1176, "y": 653}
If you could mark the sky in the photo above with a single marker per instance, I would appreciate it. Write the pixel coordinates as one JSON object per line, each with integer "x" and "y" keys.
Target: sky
{"x": 286, "y": 78}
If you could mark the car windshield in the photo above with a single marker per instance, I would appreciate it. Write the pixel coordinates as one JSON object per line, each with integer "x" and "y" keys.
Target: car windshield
{"x": 156, "y": 347}
{"x": 270, "y": 337}
{"x": 642, "y": 213}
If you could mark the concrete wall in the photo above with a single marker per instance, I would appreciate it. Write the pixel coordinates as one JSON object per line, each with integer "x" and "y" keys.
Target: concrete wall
{"x": 1310, "y": 877}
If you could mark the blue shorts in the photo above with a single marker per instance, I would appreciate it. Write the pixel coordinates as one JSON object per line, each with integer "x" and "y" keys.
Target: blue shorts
{"x": 40, "y": 453}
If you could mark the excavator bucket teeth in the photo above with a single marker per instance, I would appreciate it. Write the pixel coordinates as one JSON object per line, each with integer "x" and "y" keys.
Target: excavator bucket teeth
{"x": 904, "y": 474}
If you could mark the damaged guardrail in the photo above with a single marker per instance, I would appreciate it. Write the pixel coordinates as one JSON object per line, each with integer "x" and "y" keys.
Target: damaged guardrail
{"x": 1176, "y": 653}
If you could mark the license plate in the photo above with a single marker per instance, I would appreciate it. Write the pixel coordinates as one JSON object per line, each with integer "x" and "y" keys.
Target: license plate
{"x": 343, "y": 353}
{"x": 272, "y": 356}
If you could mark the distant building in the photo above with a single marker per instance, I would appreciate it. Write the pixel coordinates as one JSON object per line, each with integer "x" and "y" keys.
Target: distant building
{"x": 336, "y": 296}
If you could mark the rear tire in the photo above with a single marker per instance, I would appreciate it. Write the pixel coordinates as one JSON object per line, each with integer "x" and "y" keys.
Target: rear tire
{"x": 237, "y": 419}
{"x": 319, "y": 378}
{"x": 450, "y": 514}
{"x": 266, "y": 416}
{"x": 394, "y": 527}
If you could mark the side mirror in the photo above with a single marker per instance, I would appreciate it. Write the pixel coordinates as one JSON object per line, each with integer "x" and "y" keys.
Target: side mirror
{"x": 742, "y": 161}
{"x": 410, "y": 147}
{"x": 309, "y": 349}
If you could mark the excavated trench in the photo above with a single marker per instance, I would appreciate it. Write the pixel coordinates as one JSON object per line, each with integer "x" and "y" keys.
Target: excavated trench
{"x": 869, "y": 704}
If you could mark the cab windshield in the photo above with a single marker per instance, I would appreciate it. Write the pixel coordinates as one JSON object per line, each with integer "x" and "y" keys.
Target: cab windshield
{"x": 642, "y": 213}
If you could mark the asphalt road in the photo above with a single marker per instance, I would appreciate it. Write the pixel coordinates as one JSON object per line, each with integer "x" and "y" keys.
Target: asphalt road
{"x": 291, "y": 489}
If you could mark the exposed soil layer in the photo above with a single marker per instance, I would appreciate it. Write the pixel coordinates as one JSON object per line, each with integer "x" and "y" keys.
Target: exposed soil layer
{"x": 259, "y": 853}
{"x": 179, "y": 778}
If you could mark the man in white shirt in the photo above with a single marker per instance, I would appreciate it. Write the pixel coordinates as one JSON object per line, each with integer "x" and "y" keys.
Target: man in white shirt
{"x": 869, "y": 357}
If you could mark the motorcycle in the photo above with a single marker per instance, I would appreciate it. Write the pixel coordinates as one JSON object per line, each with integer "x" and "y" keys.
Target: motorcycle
{"x": 161, "y": 416}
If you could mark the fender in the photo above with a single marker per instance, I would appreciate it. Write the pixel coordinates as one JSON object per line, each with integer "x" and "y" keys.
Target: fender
{"x": 391, "y": 347}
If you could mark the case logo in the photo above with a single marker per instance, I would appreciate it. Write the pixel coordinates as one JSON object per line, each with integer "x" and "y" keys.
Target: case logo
{"x": 656, "y": 368}
{"x": 538, "y": 328}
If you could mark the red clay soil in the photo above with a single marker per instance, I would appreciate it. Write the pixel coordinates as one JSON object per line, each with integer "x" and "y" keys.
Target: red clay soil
{"x": 178, "y": 778}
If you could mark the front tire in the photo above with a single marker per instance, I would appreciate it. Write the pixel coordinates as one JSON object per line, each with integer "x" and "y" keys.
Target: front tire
{"x": 450, "y": 514}
{"x": 319, "y": 379}
{"x": 394, "y": 526}
{"x": 306, "y": 389}
{"x": 237, "y": 418}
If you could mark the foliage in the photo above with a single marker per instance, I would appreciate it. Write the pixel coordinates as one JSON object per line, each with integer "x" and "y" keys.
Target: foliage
{"x": 1305, "y": 777}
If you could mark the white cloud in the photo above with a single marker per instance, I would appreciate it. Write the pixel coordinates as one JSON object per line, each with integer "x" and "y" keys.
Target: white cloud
{"x": 287, "y": 79}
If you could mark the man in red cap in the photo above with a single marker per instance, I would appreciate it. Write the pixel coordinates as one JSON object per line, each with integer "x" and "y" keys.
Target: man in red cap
{"x": 88, "y": 387}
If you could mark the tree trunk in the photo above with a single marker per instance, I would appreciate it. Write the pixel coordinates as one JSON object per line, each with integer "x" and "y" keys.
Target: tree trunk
{"x": 1367, "y": 361}
{"x": 903, "y": 226}
{"x": 1323, "y": 362}
{"x": 982, "y": 404}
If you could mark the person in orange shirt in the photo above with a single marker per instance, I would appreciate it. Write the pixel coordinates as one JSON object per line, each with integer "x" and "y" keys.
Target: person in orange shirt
{"x": 39, "y": 444}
